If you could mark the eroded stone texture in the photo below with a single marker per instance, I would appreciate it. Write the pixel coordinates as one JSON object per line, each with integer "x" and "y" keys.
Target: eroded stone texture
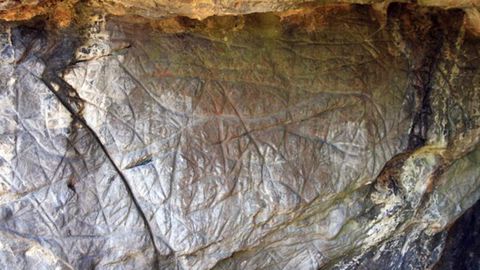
{"x": 14, "y": 10}
{"x": 235, "y": 136}
{"x": 320, "y": 139}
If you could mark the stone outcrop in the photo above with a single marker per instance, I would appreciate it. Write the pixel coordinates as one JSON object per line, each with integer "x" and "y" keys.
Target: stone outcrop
{"x": 275, "y": 134}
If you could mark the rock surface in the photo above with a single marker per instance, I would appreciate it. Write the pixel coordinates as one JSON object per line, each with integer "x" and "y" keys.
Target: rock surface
{"x": 330, "y": 136}
{"x": 200, "y": 9}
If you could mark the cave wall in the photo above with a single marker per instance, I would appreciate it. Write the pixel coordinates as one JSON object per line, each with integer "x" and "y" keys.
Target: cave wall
{"x": 339, "y": 136}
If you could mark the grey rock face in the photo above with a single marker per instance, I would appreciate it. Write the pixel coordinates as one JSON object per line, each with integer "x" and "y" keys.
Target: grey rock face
{"x": 318, "y": 140}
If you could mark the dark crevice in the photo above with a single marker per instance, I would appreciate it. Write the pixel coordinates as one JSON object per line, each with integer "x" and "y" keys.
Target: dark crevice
{"x": 424, "y": 38}
{"x": 462, "y": 247}
{"x": 71, "y": 185}
{"x": 426, "y": 34}
{"x": 64, "y": 101}
{"x": 141, "y": 162}
{"x": 57, "y": 51}
{"x": 423, "y": 47}
{"x": 69, "y": 98}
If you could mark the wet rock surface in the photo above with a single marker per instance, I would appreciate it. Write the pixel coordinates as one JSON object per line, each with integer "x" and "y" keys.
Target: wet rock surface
{"x": 326, "y": 138}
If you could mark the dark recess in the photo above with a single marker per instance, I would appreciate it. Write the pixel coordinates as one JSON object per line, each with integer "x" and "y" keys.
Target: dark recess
{"x": 462, "y": 248}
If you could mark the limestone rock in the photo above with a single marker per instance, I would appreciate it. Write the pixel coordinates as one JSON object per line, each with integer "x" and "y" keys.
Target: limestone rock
{"x": 327, "y": 137}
